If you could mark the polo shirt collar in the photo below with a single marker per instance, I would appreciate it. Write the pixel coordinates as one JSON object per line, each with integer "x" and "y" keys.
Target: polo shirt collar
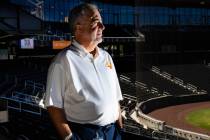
{"x": 82, "y": 51}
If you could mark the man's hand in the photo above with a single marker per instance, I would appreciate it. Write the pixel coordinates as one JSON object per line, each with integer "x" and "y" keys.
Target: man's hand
{"x": 59, "y": 120}
{"x": 120, "y": 121}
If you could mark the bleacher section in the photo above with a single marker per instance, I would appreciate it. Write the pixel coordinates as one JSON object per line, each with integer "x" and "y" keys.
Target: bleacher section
{"x": 196, "y": 75}
{"x": 150, "y": 85}
{"x": 162, "y": 83}
{"x": 185, "y": 85}
{"x": 27, "y": 99}
{"x": 31, "y": 93}
{"x": 127, "y": 85}
{"x": 136, "y": 88}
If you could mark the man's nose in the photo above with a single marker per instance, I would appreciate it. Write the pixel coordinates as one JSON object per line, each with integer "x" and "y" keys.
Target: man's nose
{"x": 101, "y": 25}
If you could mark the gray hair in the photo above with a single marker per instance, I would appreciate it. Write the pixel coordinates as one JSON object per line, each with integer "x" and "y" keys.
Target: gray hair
{"x": 79, "y": 11}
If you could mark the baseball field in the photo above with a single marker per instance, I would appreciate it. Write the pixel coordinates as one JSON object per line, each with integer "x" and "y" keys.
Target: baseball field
{"x": 194, "y": 117}
{"x": 199, "y": 118}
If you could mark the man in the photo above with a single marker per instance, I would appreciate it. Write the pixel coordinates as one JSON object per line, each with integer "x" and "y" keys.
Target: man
{"x": 83, "y": 92}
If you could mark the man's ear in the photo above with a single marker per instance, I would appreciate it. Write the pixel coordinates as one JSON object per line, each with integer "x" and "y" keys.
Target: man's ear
{"x": 78, "y": 27}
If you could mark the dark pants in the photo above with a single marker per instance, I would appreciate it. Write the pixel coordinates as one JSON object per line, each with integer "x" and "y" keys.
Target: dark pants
{"x": 95, "y": 132}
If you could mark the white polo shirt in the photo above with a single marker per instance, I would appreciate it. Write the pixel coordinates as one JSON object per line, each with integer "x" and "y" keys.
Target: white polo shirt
{"x": 86, "y": 87}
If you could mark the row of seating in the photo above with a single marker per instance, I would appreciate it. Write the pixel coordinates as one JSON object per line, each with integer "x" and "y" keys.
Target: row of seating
{"x": 31, "y": 93}
{"x": 139, "y": 89}
{"x": 192, "y": 88}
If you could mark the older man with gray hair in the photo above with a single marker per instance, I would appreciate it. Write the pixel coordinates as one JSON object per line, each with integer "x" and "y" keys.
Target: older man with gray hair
{"x": 83, "y": 92}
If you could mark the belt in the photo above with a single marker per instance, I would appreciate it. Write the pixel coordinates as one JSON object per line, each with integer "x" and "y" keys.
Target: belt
{"x": 92, "y": 126}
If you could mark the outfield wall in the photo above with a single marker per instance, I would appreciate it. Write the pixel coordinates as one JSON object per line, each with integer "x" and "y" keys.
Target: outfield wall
{"x": 165, "y": 101}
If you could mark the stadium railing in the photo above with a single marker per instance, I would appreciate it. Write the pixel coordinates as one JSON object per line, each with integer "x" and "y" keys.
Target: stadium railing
{"x": 186, "y": 134}
{"x": 192, "y": 88}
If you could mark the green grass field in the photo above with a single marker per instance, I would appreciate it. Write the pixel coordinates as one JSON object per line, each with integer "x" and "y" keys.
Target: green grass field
{"x": 199, "y": 118}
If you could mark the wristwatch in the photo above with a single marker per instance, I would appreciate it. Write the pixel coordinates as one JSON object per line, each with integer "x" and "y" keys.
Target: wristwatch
{"x": 68, "y": 137}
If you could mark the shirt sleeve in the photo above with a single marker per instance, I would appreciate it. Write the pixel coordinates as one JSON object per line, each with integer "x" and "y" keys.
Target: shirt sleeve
{"x": 118, "y": 89}
{"x": 55, "y": 86}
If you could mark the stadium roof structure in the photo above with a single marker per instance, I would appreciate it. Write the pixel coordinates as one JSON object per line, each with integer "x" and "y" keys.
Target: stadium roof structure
{"x": 165, "y": 3}
{"x": 16, "y": 23}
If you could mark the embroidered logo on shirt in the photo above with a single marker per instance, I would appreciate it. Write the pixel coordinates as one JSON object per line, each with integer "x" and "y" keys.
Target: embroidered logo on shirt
{"x": 108, "y": 64}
